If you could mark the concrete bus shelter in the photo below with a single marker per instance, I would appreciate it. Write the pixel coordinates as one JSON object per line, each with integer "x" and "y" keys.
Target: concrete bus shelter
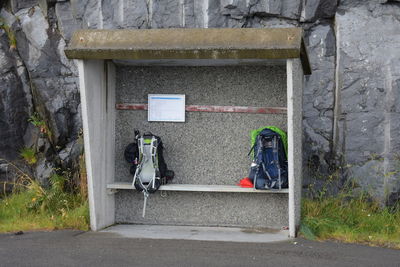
{"x": 235, "y": 80}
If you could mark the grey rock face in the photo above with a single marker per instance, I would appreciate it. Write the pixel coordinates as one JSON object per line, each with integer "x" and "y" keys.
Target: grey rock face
{"x": 193, "y": 14}
{"x": 87, "y": 13}
{"x": 166, "y": 14}
{"x": 126, "y": 14}
{"x": 70, "y": 153}
{"x": 369, "y": 93}
{"x": 318, "y": 9}
{"x": 234, "y": 9}
{"x": 44, "y": 169}
{"x": 371, "y": 168}
{"x": 266, "y": 7}
{"x": 261, "y": 8}
{"x": 318, "y": 97}
{"x": 67, "y": 24}
{"x": 14, "y": 106}
{"x": 53, "y": 77}
{"x": 291, "y": 9}
{"x": 20, "y": 4}
{"x": 214, "y": 17}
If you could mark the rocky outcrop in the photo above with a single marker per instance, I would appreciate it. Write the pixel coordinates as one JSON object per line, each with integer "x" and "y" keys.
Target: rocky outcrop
{"x": 318, "y": 101}
{"x": 351, "y": 100}
{"x": 14, "y": 100}
{"x": 318, "y": 9}
{"x": 53, "y": 78}
{"x": 37, "y": 78}
{"x": 368, "y": 102}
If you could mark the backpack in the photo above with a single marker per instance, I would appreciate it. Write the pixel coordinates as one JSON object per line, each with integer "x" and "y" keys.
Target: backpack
{"x": 148, "y": 166}
{"x": 269, "y": 168}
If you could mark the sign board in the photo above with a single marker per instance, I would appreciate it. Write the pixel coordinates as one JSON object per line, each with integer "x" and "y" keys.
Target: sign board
{"x": 166, "y": 107}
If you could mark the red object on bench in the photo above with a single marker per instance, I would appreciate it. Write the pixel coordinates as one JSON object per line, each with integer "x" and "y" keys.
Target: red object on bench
{"x": 246, "y": 182}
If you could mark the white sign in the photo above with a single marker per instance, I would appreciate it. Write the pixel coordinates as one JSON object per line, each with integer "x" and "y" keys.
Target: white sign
{"x": 166, "y": 107}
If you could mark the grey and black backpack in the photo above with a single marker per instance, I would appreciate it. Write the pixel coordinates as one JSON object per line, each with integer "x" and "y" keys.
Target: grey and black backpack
{"x": 148, "y": 166}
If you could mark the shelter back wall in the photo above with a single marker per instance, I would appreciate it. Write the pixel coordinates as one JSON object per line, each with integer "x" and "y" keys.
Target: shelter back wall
{"x": 209, "y": 148}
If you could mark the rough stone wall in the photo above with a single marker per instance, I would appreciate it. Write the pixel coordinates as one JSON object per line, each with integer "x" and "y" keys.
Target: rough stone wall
{"x": 367, "y": 127}
{"x": 351, "y": 101}
{"x": 14, "y": 100}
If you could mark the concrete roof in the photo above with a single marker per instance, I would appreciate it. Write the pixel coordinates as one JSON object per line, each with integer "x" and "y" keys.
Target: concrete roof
{"x": 164, "y": 44}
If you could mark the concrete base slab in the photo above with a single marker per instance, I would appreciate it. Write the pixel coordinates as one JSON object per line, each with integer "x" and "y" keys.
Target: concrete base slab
{"x": 227, "y": 234}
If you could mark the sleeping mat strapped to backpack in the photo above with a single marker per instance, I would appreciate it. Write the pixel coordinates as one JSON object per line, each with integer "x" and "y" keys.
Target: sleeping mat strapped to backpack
{"x": 269, "y": 169}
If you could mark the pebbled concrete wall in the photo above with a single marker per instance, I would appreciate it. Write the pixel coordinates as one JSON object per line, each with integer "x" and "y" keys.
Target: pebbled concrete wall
{"x": 209, "y": 148}
{"x": 204, "y": 209}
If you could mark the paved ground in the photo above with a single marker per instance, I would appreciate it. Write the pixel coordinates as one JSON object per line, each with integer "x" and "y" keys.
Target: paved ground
{"x": 74, "y": 248}
{"x": 199, "y": 233}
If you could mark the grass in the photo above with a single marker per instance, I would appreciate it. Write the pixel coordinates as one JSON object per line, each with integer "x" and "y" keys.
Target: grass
{"x": 33, "y": 207}
{"x": 351, "y": 220}
{"x": 10, "y": 34}
{"x": 29, "y": 155}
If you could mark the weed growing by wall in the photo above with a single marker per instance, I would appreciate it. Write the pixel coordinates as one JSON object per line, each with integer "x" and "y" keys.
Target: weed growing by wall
{"x": 29, "y": 155}
{"x": 32, "y": 206}
{"x": 353, "y": 219}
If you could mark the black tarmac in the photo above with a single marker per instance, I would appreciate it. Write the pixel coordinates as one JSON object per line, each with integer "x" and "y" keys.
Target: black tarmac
{"x": 76, "y": 248}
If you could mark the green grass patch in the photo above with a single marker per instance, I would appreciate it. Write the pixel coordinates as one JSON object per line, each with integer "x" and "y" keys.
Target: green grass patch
{"x": 29, "y": 155}
{"x": 11, "y": 36}
{"x": 351, "y": 220}
{"x": 12, "y": 39}
{"x": 33, "y": 207}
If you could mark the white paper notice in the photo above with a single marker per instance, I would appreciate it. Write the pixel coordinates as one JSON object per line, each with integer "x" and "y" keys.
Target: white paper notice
{"x": 166, "y": 107}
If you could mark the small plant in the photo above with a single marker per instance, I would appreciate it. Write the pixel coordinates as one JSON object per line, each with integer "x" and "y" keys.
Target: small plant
{"x": 29, "y": 155}
{"x": 82, "y": 177}
{"x": 10, "y": 34}
{"x": 55, "y": 200}
{"x": 36, "y": 120}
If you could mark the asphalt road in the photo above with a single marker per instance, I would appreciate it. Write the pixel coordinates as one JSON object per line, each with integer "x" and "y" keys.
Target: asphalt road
{"x": 74, "y": 248}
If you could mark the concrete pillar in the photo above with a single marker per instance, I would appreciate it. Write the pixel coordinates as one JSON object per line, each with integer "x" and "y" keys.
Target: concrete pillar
{"x": 295, "y": 133}
{"x": 97, "y": 89}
